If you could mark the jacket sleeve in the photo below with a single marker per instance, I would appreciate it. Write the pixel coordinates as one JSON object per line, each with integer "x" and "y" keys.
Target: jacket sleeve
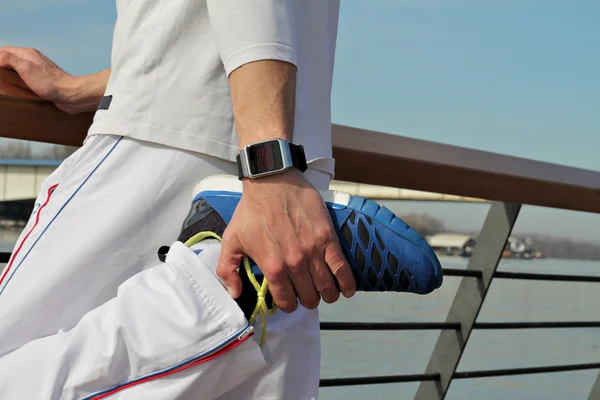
{"x": 175, "y": 318}
{"x": 253, "y": 30}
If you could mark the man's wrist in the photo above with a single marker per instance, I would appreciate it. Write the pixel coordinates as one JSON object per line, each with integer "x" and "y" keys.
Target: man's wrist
{"x": 288, "y": 177}
{"x": 270, "y": 157}
{"x": 81, "y": 93}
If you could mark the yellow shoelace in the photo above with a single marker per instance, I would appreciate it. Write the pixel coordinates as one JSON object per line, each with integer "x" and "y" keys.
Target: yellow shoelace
{"x": 261, "y": 307}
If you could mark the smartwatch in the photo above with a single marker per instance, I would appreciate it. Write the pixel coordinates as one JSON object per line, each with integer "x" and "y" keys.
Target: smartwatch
{"x": 270, "y": 157}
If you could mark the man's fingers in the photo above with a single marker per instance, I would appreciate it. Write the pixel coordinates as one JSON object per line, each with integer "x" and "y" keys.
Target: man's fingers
{"x": 298, "y": 267}
{"x": 324, "y": 281}
{"x": 10, "y": 60}
{"x": 280, "y": 286}
{"x": 18, "y": 51}
{"x": 7, "y": 59}
{"x": 22, "y": 52}
{"x": 230, "y": 260}
{"x": 339, "y": 266}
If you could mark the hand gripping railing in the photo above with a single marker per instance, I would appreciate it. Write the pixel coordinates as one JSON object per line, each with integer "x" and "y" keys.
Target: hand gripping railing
{"x": 382, "y": 159}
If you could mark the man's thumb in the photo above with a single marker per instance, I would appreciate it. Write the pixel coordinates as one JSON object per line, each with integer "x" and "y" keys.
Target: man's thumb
{"x": 229, "y": 261}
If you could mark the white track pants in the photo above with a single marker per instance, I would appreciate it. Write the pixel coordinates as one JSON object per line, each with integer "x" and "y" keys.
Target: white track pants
{"x": 86, "y": 308}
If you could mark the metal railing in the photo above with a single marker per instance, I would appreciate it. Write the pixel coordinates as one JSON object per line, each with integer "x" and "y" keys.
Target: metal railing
{"x": 381, "y": 159}
{"x": 455, "y": 327}
{"x": 377, "y": 158}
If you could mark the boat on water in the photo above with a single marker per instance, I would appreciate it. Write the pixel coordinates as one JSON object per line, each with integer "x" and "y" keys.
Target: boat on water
{"x": 463, "y": 245}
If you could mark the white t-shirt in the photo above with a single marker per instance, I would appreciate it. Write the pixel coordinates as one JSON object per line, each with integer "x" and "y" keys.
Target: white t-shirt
{"x": 171, "y": 60}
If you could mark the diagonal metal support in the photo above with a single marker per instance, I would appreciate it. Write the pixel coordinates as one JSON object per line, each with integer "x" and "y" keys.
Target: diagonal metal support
{"x": 595, "y": 393}
{"x": 469, "y": 298}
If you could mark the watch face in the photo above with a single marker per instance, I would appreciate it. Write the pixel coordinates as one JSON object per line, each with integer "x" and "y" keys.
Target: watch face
{"x": 265, "y": 157}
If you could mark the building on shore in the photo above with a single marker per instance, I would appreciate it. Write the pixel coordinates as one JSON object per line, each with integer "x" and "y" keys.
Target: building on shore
{"x": 452, "y": 244}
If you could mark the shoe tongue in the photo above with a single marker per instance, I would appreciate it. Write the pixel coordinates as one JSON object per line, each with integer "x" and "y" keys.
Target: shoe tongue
{"x": 202, "y": 218}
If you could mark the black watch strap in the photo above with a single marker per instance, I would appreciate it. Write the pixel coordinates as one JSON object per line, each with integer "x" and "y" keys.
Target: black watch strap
{"x": 298, "y": 156}
{"x": 238, "y": 159}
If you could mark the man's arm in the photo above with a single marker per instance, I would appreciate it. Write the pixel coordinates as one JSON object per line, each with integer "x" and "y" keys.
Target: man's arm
{"x": 281, "y": 221}
{"x": 264, "y": 98}
{"x": 72, "y": 94}
{"x": 83, "y": 93}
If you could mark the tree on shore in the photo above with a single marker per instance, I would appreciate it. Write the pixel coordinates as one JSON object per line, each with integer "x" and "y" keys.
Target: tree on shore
{"x": 424, "y": 224}
{"x": 13, "y": 149}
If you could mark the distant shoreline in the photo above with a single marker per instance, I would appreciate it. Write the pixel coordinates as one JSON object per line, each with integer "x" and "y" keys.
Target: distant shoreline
{"x": 549, "y": 246}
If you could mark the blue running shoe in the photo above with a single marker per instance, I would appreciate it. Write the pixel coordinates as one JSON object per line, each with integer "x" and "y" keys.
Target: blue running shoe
{"x": 385, "y": 254}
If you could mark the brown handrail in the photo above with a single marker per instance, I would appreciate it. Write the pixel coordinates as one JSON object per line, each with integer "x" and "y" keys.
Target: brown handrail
{"x": 389, "y": 160}
{"x": 361, "y": 156}
{"x": 23, "y": 115}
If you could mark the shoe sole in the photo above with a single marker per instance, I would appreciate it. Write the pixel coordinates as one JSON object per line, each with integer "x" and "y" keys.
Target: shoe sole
{"x": 385, "y": 253}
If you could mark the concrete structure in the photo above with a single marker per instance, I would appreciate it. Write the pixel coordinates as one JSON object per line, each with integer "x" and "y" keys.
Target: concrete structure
{"x": 390, "y": 193}
{"x": 20, "y": 182}
{"x": 22, "y": 179}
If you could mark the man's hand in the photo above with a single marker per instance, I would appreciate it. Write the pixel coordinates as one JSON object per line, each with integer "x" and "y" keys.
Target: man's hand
{"x": 69, "y": 93}
{"x": 282, "y": 223}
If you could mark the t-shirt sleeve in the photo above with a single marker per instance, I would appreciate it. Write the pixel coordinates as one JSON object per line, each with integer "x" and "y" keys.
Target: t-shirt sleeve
{"x": 253, "y": 30}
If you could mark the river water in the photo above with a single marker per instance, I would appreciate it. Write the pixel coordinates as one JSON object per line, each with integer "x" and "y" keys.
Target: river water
{"x": 407, "y": 352}
{"x": 385, "y": 353}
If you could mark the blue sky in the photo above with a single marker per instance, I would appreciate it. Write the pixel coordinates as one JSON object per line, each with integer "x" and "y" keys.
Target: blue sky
{"x": 518, "y": 77}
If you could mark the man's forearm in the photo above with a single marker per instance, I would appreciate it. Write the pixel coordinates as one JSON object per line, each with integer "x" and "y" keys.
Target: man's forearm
{"x": 257, "y": 44}
{"x": 264, "y": 98}
{"x": 85, "y": 92}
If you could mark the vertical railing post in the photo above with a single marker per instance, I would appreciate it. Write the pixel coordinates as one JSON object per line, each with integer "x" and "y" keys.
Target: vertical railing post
{"x": 595, "y": 393}
{"x": 469, "y": 298}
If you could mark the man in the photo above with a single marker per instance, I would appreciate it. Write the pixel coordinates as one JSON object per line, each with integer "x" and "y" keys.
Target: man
{"x": 191, "y": 83}
{"x": 181, "y": 70}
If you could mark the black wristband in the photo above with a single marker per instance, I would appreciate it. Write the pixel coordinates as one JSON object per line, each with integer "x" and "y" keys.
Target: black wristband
{"x": 298, "y": 156}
